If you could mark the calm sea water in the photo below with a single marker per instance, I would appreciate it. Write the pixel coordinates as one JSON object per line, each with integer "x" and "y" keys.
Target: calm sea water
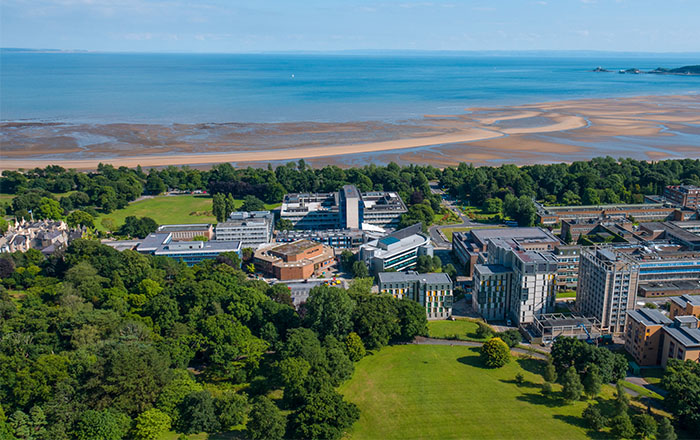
{"x": 167, "y": 88}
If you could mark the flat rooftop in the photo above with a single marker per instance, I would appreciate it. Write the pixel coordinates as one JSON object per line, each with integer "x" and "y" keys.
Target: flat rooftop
{"x": 687, "y": 337}
{"x": 684, "y": 300}
{"x": 187, "y": 227}
{"x": 398, "y": 277}
{"x": 491, "y": 269}
{"x": 294, "y": 248}
{"x": 649, "y": 317}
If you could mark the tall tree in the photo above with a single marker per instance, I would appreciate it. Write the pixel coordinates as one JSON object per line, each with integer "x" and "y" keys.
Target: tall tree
{"x": 329, "y": 311}
{"x": 265, "y": 421}
{"x": 572, "y": 390}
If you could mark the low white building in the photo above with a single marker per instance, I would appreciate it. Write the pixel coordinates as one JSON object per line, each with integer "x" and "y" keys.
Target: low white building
{"x": 250, "y": 228}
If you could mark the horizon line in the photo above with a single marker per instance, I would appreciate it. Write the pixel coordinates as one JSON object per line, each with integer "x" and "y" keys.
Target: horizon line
{"x": 358, "y": 51}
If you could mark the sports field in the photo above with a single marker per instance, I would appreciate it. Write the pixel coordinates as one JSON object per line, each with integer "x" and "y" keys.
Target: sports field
{"x": 443, "y": 392}
{"x": 169, "y": 210}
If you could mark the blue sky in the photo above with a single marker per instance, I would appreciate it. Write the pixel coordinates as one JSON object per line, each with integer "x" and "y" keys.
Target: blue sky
{"x": 327, "y": 25}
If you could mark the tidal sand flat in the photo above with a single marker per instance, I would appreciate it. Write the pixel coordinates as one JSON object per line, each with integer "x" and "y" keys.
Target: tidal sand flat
{"x": 652, "y": 127}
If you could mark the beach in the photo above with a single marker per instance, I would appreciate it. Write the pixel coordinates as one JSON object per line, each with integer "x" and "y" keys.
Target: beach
{"x": 646, "y": 127}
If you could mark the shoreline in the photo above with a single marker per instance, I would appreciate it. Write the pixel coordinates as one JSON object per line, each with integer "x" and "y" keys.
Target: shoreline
{"x": 531, "y": 133}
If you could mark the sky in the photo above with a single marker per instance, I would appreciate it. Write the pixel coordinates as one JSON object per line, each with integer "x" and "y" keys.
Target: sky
{"x": 236, "y": 26}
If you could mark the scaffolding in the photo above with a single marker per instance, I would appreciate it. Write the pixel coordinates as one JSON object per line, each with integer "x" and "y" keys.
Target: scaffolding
{"x": 550, "y": 326}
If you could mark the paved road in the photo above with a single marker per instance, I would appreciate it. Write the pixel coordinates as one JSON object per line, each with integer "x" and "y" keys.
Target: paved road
{"x": 436, "y": 233}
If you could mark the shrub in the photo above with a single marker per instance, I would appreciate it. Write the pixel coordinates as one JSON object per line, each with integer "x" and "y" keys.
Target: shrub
{"x": 495, "y": 353}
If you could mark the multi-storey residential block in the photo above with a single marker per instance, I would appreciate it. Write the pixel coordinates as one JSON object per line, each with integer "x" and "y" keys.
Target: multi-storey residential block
{"x": 467, "y": 246}
{"x": 686, "y": 305}
{"x": 188, "y": 231}
{"x": 684, "y": 195}
{"x": 517, "y": 284}
{"x": 644, "y": 334}
{"x": 345, "y": 209}
{"x": 607, "y": 286}
{"x": 681, "y": 340}
{"x": 432, "y": 290}
{"x": 250, "y": 228}
{"x": 398, "y": 251}
{"x": 567, "y": 265}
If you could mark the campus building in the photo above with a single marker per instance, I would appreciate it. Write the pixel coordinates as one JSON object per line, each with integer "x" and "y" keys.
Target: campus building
{"x": 681, "y": 340}
{"x": 298, "y": 260}
{"x": 335, "y": 238}
{"x": 685, "y": 305}
{"x": 687, "y": 196}
{"x": 643, "y": 336}
{"x": 188, "y": 231}
{"x": 607, "y": 287}
{"x": 250, "y": 228}
{"x": 398, "y": 251}
{"x": 652, "y": 338}
{"x": 432, "y": 290}
{"x": 515, "y": 283}
{"x": 646, "y": 212}
{"x": 345, "y": 209}
{"x": 190, "y": 252}
{"x": 468, "y": 246}
{"x": 682, "y": 233}
{"x": 567, "y": 266}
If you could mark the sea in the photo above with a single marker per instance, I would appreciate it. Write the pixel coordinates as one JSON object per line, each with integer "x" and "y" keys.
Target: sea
{"x": 217, "y": 88}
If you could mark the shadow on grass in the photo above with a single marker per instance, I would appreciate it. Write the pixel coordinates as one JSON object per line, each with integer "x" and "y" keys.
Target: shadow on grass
{"x": 578, "y": 421}
{"x": 472, "y": 361}
{"x": 534, "y": 366}
{"x": 551, "y": 401}
{"x": 523, "y": 384}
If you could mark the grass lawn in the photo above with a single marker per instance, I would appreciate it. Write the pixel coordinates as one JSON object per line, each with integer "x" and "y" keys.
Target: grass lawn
{"x": 449, "y": 231}
{"x": 566, "y": 294}
{"x": 652, "y": 375}
{"x": 170, "y": 210}
{"x": 641, "y": 390}
{"x": 443, "y": 392}
{"x": 463, "y": 329}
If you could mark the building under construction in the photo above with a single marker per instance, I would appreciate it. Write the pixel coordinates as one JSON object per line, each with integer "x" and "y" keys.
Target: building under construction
{"x": 548, "y": 327}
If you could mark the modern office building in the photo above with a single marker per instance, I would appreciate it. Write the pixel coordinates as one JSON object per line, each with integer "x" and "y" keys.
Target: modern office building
{"x": 188, "y": 231}
{"x": 644, "y": 334}
{"x": 467, "y": 246}
{"x": 432, "y": 290}
{"x": 515, "y": 284}
{"x": 345, "y": 209}
{"x": 398, "y": 251}
{"x": 607, "y": 286}
{"x": 335, "y": 238}
{"x": 190, "y": 252}
{"x": 685, "y": 305}
{"x": 298, "y": 260}
{"x": 687, "y": 196}
{"x": 250, "y": 228}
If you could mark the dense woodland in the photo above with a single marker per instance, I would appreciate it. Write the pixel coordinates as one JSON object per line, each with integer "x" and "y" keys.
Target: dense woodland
{"x": 507, "y": 190}
{"x": 98, "y": 344}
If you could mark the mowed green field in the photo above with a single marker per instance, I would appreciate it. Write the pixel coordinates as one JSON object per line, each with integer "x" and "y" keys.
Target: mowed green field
{"x": 460, "y": 328}
{"x": 170, "y": 210}
{"x": 442, "y": 392}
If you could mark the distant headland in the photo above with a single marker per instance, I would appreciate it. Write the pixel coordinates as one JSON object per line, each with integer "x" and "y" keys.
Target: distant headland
{"x": 685, "y": 70}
